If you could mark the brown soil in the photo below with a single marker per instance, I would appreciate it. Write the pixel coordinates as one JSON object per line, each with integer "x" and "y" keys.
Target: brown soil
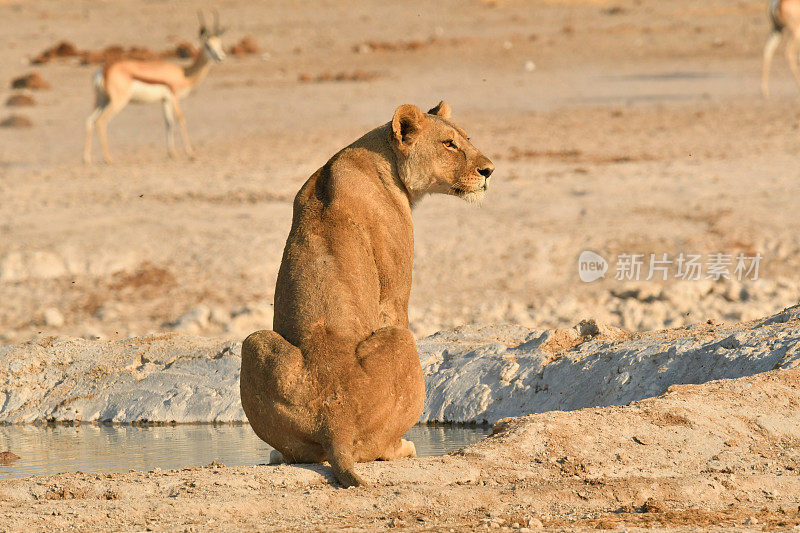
{"x": 33, "y": 80}
{"x": 61, "y": 50}
{"x": 16, "y": 121}
{"x": 20, "y": 100}
{"x": 8, "y": 457}
{"x": 246, "y": 46}
{"x": 357, "y": 75}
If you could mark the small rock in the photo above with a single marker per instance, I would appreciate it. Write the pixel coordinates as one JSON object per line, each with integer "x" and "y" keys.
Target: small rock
{"x": 589, "y": 329}
{"x": 530, "y": 66}
{"x": 53, "y": 318}
{"x": 251, "y": 318}
{"x": 194, "y": 320}
{"x": 535, "y": 523}
{"x": 93, "y": 335}
{"x": 653, "y": 506}
{"x": 751, "y": 521}
{"x": 8, "y": 457}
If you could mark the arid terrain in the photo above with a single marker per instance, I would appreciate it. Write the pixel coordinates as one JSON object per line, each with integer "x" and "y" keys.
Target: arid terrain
{"x": 619, "y": 127}
{"x": 700, "y": 457}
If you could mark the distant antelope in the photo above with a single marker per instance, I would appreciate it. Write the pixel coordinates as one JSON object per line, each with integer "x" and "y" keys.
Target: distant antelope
{"x": 784, "y": 15}
{"x": 151, "y": 81}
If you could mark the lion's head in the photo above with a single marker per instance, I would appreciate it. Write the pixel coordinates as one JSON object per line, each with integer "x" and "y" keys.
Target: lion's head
{"x": 435, "y": 156}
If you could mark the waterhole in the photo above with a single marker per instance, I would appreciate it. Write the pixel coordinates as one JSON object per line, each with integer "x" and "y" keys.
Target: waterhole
{"x": 98, "y": 448}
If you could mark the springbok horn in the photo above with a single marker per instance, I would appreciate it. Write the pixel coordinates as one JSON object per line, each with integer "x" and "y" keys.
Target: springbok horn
{"x": 201, "y": 18}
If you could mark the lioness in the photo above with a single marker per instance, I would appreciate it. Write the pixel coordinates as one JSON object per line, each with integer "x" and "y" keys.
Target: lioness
{"x": 339, "y": 378}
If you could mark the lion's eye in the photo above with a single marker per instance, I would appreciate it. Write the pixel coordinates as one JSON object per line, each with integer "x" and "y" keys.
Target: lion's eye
{"x": 449, "y": 144}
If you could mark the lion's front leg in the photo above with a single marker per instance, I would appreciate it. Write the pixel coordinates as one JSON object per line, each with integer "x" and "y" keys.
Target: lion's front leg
{"x": 404, "y": 448}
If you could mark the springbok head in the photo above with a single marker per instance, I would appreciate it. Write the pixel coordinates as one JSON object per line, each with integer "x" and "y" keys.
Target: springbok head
{"x": 210, "y": 40}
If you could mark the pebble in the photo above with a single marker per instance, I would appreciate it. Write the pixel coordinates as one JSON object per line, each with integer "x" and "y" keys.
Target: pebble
{"x": 535, "y": 523}
{"x": 53, "y": 318}
{"x": 194, "y": 320}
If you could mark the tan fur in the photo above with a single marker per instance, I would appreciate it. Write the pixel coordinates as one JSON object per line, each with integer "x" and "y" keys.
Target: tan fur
{"x": 786, "y": 20}
{"x": 339, "y": 378}
{"x": 146, "y": 82}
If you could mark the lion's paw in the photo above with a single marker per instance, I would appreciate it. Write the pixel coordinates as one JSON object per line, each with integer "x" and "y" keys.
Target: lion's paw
{"x": 407, "y": 448}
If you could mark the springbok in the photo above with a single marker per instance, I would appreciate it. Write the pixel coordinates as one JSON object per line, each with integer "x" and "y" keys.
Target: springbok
{"x": 151, "y": 81}
{"x": 784, "y": 15}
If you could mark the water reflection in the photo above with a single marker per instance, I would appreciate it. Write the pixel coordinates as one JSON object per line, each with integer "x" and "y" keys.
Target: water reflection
{"x": 91, "y": 448}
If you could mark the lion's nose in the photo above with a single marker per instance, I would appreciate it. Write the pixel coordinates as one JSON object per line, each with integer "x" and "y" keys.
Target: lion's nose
{"x": 486, "y": 169}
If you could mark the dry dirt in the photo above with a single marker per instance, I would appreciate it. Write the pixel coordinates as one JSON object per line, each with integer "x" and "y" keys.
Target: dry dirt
{"x": 639, "y": 129}
{"x": 627, "y": 126}
{"x": 722, "y": 454}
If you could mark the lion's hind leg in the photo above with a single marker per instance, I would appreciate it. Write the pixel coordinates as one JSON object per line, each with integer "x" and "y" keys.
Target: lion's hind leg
{"x": 275, "y": 389}
{"x": 297, "y": 453}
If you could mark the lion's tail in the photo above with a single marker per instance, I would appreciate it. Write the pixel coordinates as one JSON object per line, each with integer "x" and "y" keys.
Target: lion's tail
{"x": 343, "y": 465}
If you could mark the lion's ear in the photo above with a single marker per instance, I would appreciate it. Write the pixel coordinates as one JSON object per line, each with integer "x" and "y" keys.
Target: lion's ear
{"x": 407, "y": 123}
{"x": 441, "y": 109}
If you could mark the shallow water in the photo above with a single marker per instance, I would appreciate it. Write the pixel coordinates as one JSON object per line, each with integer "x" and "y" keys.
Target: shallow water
{"x": 93, "y": 448}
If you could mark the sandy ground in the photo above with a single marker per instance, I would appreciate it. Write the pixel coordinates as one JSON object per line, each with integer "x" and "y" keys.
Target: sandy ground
{"x": 631, "y": 126}
{"x": 639, "y": 130}
{"x": 707, "y": 456}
